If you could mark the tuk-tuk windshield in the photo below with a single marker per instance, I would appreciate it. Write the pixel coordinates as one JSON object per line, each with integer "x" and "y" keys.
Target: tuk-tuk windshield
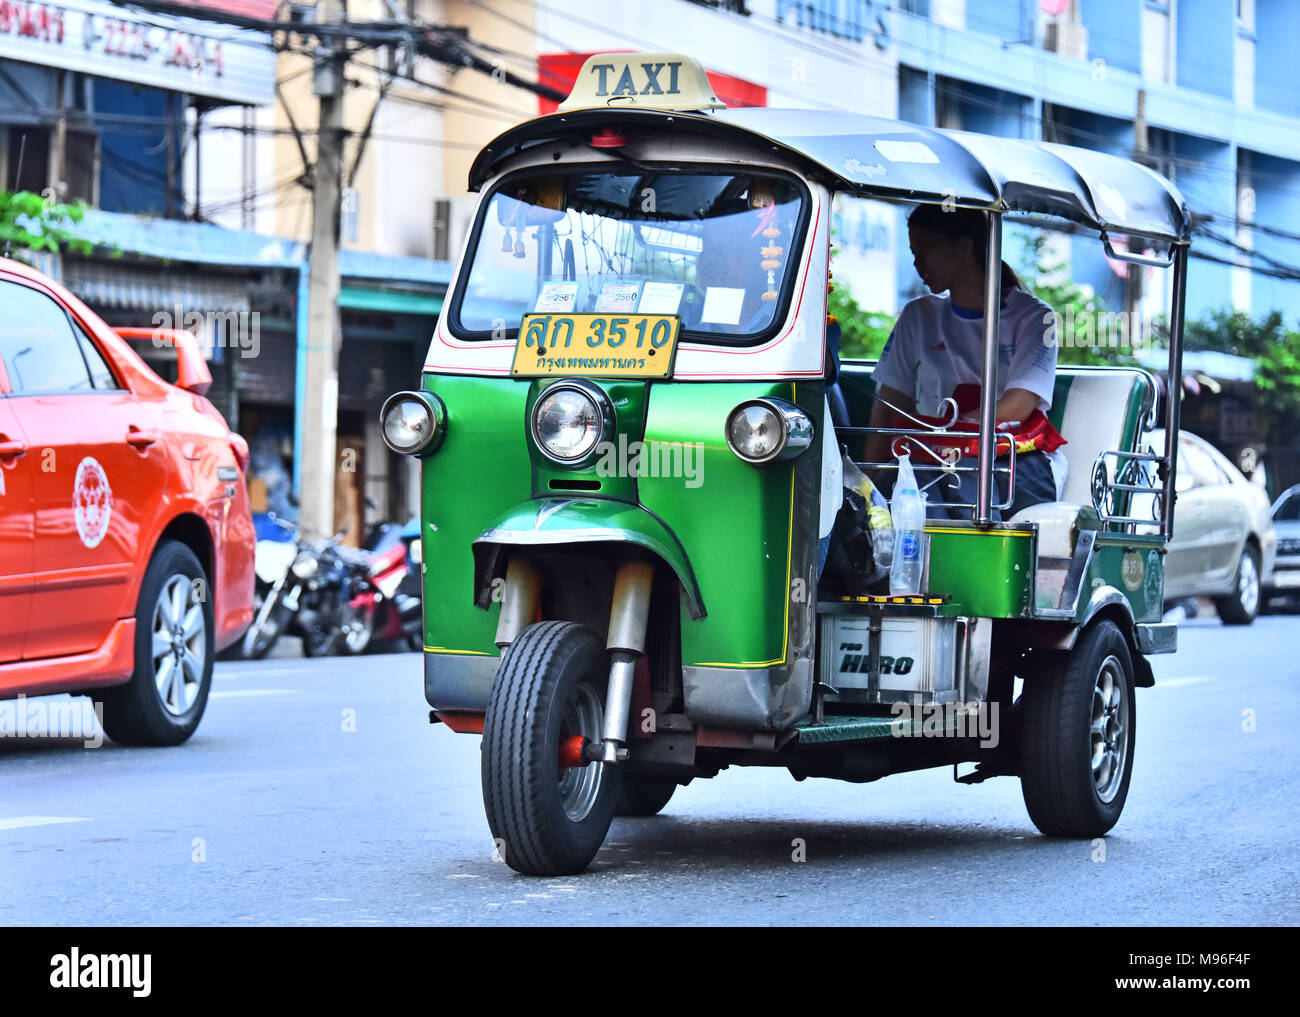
{"x": 718, "y": 249}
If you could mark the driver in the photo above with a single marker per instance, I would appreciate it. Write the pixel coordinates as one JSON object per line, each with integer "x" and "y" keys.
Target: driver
{"x": 936, "y": 351}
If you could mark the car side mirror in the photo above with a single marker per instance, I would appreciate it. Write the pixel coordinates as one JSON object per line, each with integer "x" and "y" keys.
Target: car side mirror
{"x": 192, "y": 372}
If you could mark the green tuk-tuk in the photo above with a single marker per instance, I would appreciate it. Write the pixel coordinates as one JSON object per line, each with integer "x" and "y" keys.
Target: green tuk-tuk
{"x": 624, "y": 437}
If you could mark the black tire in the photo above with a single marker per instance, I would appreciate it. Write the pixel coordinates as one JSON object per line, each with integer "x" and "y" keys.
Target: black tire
{"x": 134, "y": 713}
{"x": 318, "y": 643}
{"x": 261, "y": 637}
{"x": 643, "y": 795}
{"x": 1058, "y": 707}
{"x": 550, "y": 676}
{"x": 1241, "y": 607}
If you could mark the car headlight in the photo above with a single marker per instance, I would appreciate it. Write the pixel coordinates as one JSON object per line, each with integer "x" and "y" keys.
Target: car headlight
{"x": 569, "y": 420}
{"x": 763, "y": 430}
{"x": 304, "y": 566}
{"x": 413, "y": 423}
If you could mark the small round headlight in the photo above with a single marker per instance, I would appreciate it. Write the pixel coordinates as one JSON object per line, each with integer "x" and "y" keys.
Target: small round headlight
{"x": 413, "y": 422}
{"x": 305, "y": 566}
{"x": 763, "y": 430}
{"x": 570, "y": 420}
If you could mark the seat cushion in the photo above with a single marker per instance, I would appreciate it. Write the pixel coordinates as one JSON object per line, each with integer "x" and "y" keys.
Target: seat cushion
{"x": 1056, "y": 526}
{"x": 1101, "y": 408}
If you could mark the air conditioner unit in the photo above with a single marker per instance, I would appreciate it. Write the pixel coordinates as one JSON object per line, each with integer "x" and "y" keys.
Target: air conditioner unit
{"x": 452, "y": 218}
{"x": 1068, "y": 38}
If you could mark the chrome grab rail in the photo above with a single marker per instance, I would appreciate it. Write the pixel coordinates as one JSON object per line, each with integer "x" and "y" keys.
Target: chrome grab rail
{"x": 1126, "y": 473}
{"x": 946, "y": 461}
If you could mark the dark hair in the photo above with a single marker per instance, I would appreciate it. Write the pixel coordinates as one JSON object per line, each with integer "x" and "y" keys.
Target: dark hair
{"x": 962, "y": 222}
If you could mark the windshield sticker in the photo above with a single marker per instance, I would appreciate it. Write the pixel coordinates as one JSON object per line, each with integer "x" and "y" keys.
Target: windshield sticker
{"x": 92, "y": 502}
{"x": 618, "y": 298}
{"x": 722, "y": 305}
{"x": 661, "y": 298}
{"x": 906, "y": 151}
{"x": 556, "y": 297}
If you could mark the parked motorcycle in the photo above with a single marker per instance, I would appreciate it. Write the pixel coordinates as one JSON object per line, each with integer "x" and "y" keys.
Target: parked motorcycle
{"x": 388, "y": 596}
{"x": 312, "y": 598}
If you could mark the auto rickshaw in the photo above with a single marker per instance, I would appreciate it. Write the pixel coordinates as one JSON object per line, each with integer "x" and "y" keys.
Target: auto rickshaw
{"x": 622, "y": 426}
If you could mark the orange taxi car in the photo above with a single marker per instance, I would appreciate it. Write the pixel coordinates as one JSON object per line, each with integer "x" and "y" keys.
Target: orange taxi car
{"x": 126, "y": 542}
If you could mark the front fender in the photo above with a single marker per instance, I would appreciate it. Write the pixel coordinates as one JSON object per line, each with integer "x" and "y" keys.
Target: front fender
{"x": 551, "y": 521}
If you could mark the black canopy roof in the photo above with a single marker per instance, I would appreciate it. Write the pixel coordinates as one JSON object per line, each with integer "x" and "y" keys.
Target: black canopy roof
{"x": 877, "y": 157}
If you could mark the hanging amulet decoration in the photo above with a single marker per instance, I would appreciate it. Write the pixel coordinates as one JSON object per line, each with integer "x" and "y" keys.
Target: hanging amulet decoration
{"x": 769, "y": 226}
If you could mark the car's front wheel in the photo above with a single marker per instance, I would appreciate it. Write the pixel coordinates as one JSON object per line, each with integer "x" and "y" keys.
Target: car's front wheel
{"x": 165, "y": 698}
{"x": 1242, "y": 605}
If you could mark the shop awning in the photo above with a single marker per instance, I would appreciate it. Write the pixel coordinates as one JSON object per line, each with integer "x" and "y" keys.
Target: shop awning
{"x": 358, "y": 298}
{"x": 153, "y": 290}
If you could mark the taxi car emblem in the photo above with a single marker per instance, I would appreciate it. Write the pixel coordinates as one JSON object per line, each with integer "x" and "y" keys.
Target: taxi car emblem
{"x": 92, "y": 502}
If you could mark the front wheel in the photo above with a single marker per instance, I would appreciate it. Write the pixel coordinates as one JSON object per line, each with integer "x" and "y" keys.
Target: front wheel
{"x": 1077, "y": 736}
{"x": 1242, "y": 605}
{"x": 548, "y": 817}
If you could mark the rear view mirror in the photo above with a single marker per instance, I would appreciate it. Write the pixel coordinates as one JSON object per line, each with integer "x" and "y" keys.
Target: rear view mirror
{"x": 536, "y": 203}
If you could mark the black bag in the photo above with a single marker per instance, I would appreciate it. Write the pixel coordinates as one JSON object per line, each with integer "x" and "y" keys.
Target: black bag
{"x": 850, "y": 566}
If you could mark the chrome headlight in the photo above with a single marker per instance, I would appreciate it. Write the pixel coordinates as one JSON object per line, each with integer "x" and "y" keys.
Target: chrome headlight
{"x": 763, "y": 430}
{"x": 305, "y": 566}
{"x": 569, "y": 420}
{"x": 413, "y": 423}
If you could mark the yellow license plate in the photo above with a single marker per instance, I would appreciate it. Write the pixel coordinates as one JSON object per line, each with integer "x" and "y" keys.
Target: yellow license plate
{"x": 596, "y": 345}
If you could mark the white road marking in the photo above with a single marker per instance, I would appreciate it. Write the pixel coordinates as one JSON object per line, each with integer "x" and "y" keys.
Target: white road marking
{"x": 17, "y": 822}
{"x": 1173, "y": 683}
{"x": 245, "y": 693}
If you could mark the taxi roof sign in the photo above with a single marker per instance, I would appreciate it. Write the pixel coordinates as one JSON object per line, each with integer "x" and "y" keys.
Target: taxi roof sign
{"x": 669, "y": 81}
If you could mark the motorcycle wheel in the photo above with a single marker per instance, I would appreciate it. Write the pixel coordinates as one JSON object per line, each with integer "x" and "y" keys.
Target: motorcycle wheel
{"x": 264, "y": 632}
{"x": 358, "y": 634}
{"x": 316, "y": 643}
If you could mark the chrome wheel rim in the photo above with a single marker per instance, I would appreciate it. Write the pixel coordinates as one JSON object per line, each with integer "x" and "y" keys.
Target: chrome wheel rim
{"x": 179, "y": 644}
{"x": 580, "y": 785}
{"x": 1109, "y": 729}
{"x": 1248, "y": 583}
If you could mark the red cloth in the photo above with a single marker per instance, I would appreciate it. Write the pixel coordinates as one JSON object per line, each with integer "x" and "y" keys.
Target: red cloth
{"x": 1034, "y": 434}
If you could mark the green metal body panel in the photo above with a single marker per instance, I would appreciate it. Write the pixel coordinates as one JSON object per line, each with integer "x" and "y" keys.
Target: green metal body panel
{"x": 560, "y": 521}
{"x": 481, "y": 470}
{"x": 550, "y": 480}
{"x": 736, "y": 526}
{"x": 987, "y": 573}
{"x": 1133, "y": 567}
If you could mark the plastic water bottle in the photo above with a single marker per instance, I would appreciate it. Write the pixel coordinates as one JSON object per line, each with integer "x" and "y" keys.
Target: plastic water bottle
{"x": 908, "y": 510}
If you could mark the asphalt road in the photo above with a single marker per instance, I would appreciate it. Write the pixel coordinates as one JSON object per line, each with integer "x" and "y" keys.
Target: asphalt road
{"x": 316, "y": 793}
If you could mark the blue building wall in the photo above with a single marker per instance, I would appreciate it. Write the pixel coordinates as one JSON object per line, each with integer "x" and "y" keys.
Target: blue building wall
{"x": 134, "y": 123}
{"x": 1114, "y": 32}
{"x": 1277, "y": 37}
{"x": 1276, "y": 183}
{"x": 1206, "y": 37}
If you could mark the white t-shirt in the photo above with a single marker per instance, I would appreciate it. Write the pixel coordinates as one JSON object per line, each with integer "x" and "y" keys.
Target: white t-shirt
{"x": 936, "y": 347}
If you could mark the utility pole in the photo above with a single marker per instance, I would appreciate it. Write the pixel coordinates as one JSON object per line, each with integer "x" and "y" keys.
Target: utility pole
{"x": 1141, "y": 154}
{"x": 324, "y": 338}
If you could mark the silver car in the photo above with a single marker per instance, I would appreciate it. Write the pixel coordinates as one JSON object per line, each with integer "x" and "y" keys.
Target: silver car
{"x": 1224, "y": 544}
{"x": 1285, "y": 585}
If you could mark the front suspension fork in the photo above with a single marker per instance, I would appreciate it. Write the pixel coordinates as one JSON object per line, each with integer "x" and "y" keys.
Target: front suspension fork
{"x": 628, "y": 616}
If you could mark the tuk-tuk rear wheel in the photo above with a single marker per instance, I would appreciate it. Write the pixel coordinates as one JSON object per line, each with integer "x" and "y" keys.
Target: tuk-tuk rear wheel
{"x": 1078, "y": 735}
{"x": 548, "y": 818}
